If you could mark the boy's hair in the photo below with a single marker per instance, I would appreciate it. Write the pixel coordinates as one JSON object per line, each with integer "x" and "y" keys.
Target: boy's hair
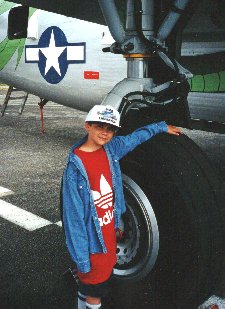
{"x": 114, "y": 128}
{"x": 91, "y": 122}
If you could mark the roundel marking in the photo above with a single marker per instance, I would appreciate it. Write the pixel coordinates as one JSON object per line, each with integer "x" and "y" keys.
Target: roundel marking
{"x": 53, "y": 54}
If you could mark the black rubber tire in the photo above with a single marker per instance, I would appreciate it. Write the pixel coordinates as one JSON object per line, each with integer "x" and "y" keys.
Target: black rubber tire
{"x": 186, "y": 195}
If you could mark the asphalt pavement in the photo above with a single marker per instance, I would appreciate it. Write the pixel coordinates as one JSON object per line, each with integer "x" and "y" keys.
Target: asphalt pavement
{"x": 33, "y": 259}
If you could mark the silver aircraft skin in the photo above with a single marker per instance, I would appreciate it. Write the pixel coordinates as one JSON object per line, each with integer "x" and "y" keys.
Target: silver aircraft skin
{"x": 90, "y": 73}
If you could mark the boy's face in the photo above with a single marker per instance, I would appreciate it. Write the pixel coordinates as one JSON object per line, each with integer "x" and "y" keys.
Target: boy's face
{"x": 100, "y": 133}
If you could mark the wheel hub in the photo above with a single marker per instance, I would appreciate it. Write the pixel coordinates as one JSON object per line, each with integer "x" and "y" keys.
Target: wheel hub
{"x": 138, "y": 249}
{"x": 128, "y": 246}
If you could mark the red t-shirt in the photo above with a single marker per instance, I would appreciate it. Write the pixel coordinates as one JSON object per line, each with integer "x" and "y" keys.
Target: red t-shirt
{"x": 98, "y": 170}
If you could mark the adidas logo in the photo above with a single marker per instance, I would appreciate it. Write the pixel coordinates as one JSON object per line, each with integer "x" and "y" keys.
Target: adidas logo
{"x": 104, "y": 198}
{"x": 107, "y": 218}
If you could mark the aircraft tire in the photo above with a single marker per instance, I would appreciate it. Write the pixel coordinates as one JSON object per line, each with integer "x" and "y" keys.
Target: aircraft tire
{"x": 185, "y": 198}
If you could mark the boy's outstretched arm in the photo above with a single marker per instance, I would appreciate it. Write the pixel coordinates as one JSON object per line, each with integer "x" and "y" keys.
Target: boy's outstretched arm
{"x": 121, "y": 145}
{"x": 174, "y": 130}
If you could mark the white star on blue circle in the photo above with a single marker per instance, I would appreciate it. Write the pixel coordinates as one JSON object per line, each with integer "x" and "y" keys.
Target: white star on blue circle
{"x": 53, "y": 54}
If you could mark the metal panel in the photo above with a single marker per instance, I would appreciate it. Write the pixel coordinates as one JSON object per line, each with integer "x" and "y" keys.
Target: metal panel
{"x": 82, "y": 9}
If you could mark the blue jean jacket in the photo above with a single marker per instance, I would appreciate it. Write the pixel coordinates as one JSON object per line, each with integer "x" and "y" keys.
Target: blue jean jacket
{"x": 80, "y": 221}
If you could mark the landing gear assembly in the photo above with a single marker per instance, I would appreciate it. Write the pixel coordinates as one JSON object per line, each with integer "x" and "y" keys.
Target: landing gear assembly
{"x": 173, "y": 229}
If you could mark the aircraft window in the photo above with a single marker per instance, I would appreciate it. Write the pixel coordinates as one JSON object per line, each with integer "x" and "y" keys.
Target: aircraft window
{"x": 18, "y": 22}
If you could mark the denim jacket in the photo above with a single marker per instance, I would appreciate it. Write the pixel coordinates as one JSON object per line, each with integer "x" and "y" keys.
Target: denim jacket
{"x": 80, "y": 221}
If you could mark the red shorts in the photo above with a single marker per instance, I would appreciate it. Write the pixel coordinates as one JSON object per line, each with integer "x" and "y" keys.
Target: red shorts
{"x": 101, "y": 268}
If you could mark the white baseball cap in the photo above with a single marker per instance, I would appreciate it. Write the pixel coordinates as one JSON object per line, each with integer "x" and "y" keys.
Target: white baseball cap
{"x": 104, "y": 113}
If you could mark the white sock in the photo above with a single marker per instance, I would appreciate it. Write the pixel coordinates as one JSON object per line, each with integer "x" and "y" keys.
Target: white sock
{"x": 89, "y": 306}
{"x": 81, "y": 301}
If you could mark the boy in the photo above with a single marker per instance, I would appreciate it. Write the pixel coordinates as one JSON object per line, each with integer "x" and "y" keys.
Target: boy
{"x": 93, "y": 198}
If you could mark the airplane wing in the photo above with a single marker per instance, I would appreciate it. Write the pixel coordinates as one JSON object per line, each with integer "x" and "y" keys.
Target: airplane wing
{"x": 88, "y": 10}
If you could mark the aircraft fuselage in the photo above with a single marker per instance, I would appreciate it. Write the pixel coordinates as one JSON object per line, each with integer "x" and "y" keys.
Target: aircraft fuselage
{"x": 61, "y": 60}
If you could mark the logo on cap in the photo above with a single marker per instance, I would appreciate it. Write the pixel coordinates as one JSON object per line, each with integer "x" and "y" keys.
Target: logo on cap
{"x": 107, "y": 115}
